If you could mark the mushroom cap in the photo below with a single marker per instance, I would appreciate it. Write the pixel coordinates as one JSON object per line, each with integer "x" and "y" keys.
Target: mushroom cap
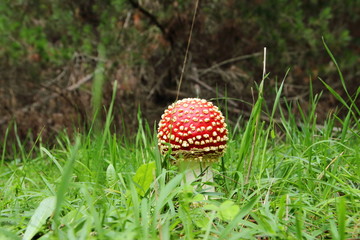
{"x": 194, "y": 129}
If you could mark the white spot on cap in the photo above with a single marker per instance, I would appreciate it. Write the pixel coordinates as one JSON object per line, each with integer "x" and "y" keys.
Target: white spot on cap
{"x": 185, "y": 144}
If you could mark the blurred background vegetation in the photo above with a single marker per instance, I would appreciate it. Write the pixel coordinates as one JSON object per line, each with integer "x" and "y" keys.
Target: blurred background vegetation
{"x": 59, "y": 59}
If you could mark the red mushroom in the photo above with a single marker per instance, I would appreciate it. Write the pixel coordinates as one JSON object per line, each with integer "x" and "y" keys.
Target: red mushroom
{"x": 195, "y": 130}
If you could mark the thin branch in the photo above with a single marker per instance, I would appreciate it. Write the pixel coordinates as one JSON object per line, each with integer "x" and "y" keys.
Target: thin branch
{"x": 231, "y": 60}
{"x": 153, "y": 20}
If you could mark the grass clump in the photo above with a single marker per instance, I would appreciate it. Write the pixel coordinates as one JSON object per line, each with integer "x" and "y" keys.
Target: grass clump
{"x": 285, "y": 179}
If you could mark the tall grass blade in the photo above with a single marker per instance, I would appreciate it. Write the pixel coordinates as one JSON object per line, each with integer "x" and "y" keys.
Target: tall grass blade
{"x": 299, "y": 221}
{"x": 4, "y": 146}
{"x": 51, "y": 156}
{"x": 341, "y": 217}
{"x": 337, "y": 67}
{"x": 65, "y": 181}
{"x": 248, "y": 138}
{"x": 352, "y": 100}
{"x": 145, "y": 218}
{"x": 166, "y": 193}
{"x": 98, "y": 162}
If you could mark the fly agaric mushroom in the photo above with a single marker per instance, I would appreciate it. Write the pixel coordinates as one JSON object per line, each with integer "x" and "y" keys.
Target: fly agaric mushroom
{"x": 195, "y": 130}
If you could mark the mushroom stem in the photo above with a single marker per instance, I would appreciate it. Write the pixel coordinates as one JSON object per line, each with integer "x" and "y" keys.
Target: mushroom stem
{"x": 194, "y": 170}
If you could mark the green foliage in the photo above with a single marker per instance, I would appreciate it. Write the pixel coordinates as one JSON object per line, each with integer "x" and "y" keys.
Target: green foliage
{"x": 42, "y": 213}
{"x": 227, "y": 210}
{"x": 55, "y": 30}
{"x": 303, "y": 183}
{"x": 283, "y": 198}
{"x": 144, "y": 176}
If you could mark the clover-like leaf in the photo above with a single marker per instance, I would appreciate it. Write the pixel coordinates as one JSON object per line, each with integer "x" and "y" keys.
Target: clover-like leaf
{"x": 144, "y": 176}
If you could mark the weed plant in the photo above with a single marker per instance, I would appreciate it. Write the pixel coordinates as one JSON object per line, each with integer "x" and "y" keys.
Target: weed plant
{"x": 287, "y": 179}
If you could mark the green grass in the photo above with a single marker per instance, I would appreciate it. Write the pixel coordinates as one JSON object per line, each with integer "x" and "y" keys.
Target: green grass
{"x": 289, "y": 179}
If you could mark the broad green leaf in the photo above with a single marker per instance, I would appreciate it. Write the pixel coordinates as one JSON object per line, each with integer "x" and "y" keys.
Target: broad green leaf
{"x": 201, "y": 221}
{"x": 144, "y": 176}
{"x": 198, "y": 198}
{"x": 228, "y": 210}
{"x": 43, "y": 212}
{"x": 244, "y": 211}
{"x": 211, "y": 207}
